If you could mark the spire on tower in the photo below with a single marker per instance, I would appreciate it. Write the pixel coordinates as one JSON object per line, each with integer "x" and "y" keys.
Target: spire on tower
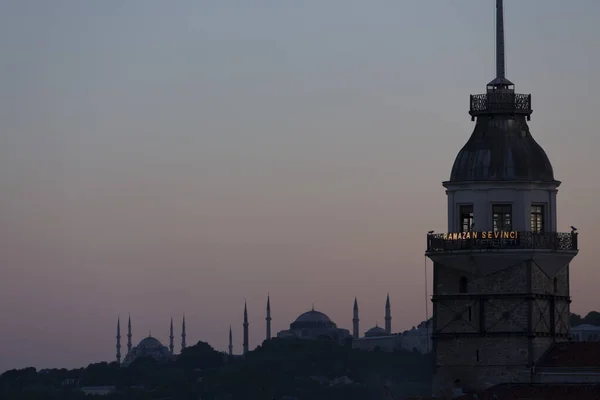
{"x": 129, "y": 335}
{"x": 171, "y": 337}
{"x": 388, "y": 316}
{"x": 230, "y": 342}
{"x": 245, "y": 345}
{"x": 355, "y": 332}
{"x": 268, "y": 317}
{"x": 500, "y": 62}
{"x": 500, "y": 82}
{"x": 119, "y": 340}
{"x": 183, "y": 334}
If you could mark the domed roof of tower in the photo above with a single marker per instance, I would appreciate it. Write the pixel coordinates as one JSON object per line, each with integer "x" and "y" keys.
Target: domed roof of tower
{"x": 501, "y": 148}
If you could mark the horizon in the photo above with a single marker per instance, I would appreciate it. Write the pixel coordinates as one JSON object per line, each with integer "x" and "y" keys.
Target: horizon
{"x": 164, "y": 160}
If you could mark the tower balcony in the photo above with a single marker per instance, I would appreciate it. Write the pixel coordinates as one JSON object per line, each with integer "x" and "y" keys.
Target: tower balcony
{"x": 484, "y": 253}
{"x": 503, "y": 240}
{"x": 501, "y": 102}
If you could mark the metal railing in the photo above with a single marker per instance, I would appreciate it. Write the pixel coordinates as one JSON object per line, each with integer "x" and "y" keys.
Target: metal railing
{"x": 500, "y": 103}
{"x": 440, "y": 242}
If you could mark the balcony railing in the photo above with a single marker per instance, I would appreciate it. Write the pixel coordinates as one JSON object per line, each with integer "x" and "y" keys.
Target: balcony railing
{"x": 514, "y": 240}
{"x": 494, "y": 103}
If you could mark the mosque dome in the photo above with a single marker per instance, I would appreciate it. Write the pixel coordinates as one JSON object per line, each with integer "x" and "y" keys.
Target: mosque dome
{"x": 501, "y": 148}
{"x": 313, "y": 316}
{"x": 150, "y": 343}
{"x": 313, "y": 319}
{"x": 375, "y": 331}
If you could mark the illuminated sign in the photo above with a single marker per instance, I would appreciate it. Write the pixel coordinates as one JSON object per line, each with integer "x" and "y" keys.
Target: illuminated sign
{"x": 480, "y": 235}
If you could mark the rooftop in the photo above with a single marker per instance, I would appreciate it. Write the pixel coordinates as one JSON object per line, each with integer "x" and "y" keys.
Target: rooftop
{"x": 540, "y": 391}
{"x": 572, "y": 355}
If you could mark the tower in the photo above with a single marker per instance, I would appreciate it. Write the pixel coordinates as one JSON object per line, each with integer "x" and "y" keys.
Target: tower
{"x": 183, "y": 333}
{"x": 388, "y": 316}
{"x": 230, "y": 342}
{"x": 501, "y": 273}
{"x": 245, "y": 346}
{"x": 129, "y": 335}
{"x": 355, "y": 332}
{"x": 119, "y": 340}
{"x": 268, "y": 317}
{"x": 171, "y": 337}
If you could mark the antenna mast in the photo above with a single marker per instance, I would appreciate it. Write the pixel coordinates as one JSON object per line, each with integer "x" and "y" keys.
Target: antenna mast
{"x": 500, "y": 63}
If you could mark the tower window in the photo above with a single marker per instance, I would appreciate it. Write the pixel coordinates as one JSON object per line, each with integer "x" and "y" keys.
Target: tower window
{"x": 466, "y": 218}
{"x": 502, "y": 217}
{"x": 477, "y": 355}
{"x": 463, "y": 285}
{"x": 470, "y": 313}
{"x": 537, "y": 218}
{"x": 555, "y": 285}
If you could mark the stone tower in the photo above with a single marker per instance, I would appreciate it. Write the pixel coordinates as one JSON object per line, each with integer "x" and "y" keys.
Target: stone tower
{"x": 355, "y": 332}
{"x": 501, "y": 273}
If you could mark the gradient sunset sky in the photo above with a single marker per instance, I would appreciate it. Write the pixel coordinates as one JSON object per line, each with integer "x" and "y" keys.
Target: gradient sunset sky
{"x": 168, "y": 157}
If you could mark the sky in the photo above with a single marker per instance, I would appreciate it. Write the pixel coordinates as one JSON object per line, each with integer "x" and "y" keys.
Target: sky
{"x": 160, "y": 158}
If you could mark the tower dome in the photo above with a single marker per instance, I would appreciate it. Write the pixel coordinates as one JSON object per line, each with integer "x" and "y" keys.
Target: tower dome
{"x": 501, "y": 148}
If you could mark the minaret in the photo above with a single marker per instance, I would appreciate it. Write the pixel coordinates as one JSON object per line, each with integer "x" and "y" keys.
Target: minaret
{"x": 230, "y": 342}
{"x": 119, "y": 340}
{"x": 129, "y": 335}
{"x": 268, "y": 318}
{"x": 388, "y": 316}
{"x": 501, "y": 292}
{"x": 245, "y": 346}
{"x": 355, "y": 332}
{"x": 171, "y": 337}
{"x": 183, "y": 334}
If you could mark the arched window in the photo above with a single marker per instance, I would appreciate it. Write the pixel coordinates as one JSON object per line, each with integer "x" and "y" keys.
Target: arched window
{"x": 463, "y": 285}
{"x": 555, "y": 285}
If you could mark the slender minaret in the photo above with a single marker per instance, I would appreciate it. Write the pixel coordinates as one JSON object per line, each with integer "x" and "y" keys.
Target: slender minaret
{"x": 245, "y": 346}
{"x": 268, "y": 318}
{"x": 230, "y": 342}
{"x": 129, "y": 335}
{"x": 183, "y": 333}
{"x": 355, "y": 333}
{"x": 388, "y": 316}
{"x": 119, "y": 340}
{"x": 171, "y": 337}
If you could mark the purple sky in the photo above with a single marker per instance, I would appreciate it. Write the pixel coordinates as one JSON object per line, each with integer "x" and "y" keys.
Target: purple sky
{"x": 162, "y": 157}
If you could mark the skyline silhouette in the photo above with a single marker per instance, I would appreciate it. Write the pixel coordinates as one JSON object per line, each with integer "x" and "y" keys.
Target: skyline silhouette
{"x": 156, "y": 160}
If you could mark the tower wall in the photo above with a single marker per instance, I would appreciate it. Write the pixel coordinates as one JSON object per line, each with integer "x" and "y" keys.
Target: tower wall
{"x": 496, "y": 331}
{"x": 521, "y": 196}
